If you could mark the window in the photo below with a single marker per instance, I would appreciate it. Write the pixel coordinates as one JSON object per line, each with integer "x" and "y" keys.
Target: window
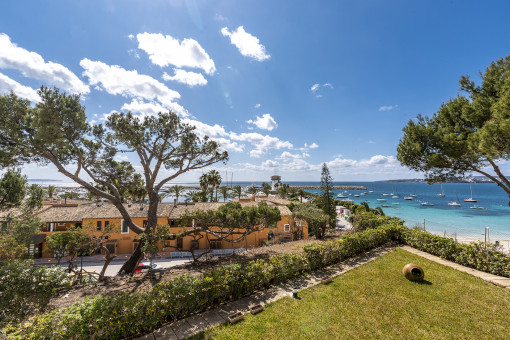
{"x": 194, "y": 244}
{"x": 51, "y": 227}
{"x": 145, "y": 223}
{"x": 215, "y": 244}
{"x": 99, "y": 225}
{"x": 124, "y": 229}
{"x": 106, "y": 224}
{"x": 179, "y": 243}
{"x": 286, "y": 227}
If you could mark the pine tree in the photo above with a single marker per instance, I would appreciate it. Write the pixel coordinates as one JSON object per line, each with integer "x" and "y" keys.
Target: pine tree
{"x": 327, "y": 202}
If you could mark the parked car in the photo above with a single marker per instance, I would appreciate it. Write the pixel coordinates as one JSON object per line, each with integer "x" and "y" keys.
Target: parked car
{"x": 145, "y": 266}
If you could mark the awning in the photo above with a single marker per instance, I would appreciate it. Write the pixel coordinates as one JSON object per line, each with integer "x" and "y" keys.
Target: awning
{"x": 37, "y": 239}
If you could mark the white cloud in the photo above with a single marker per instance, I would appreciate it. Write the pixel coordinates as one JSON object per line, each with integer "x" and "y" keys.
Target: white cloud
{"x": 189, "y": 78}
{"x": 131, "y": 37}
{"x": 32, "y": 65}
{"x": 314, "y": 146}
{"x": 134, "y": 53}
{"x": 388, "y": 107}
{"x": 7, "y": 85}
{"x": 121, "y": 158}
{"x": 247, "y": 44}
{"x": 270, "y": 164}
{"x": 306, "y": 155}
{"x": 118, "y": 81}
{"x": 164, "y": 50}
{"x": 257, "y": 106}
{"x": 266, "y": 122}
{"x": 315, "y": 89}
{"x": 203, "y": 129}
{"x": 374, "y": 162}
{"x": 260, "y": 142}
{"x": 288, "y": 156}
{"x": 220, "y": 17}
{"x": 152, "y": 108}
{"x": 228, "y": 145}
{"x": 386, "y": 166}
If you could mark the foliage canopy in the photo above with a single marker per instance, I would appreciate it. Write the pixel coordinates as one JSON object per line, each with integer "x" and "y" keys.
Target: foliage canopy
{"x": 467, "y": 134}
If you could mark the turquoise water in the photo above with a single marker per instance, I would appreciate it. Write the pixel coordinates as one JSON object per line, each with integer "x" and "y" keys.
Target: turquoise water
{"x": 441, "y": 217}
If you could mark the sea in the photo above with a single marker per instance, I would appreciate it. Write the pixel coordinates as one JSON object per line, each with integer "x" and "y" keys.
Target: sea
{"x": 459, "y": 222}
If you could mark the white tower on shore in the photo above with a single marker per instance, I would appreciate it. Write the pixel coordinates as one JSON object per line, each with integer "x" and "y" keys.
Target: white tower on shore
{"x": 276, "y": 182}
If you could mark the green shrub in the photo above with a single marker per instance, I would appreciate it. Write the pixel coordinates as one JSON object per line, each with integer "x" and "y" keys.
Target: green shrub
{"x": 122, "y": 315}
{"x": 26, "y": 289}
{"x": 363, "y": 220}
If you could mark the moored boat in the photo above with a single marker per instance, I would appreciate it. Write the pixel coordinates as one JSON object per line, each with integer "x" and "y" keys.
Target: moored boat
{"x": 470, "y": 199}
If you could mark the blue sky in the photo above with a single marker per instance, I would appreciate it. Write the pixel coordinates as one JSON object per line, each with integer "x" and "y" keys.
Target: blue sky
{"x": 284, "y": 86}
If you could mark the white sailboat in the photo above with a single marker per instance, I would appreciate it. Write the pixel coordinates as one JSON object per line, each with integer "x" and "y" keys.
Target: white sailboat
{"x": 441, "y": 194}
{"x": 470, "y": 199}
{"x": 455, "y": 203}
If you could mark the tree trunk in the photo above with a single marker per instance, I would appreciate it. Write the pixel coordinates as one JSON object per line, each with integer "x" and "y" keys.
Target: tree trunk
{"x": 108, "y": 259}
{"x": 130, "y": 265}
{"x": 152, "y": 220}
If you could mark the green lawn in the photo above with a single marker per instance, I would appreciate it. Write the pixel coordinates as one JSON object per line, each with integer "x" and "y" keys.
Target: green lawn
{"x": 375, "y": 301}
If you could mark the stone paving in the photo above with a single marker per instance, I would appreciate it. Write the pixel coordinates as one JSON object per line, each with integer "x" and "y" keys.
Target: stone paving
{"x": 187, "y": 327}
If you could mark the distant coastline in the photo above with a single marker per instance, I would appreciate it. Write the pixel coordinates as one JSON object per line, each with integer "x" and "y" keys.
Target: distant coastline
{"x": 43, "y": 180}
{"x": 472, "y": 179}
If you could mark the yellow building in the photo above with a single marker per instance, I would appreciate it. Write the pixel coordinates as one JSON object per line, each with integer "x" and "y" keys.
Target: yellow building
{"x": 59, "y": 217}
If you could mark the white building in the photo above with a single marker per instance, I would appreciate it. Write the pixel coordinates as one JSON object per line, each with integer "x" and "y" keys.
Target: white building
{"x": 276, "y": 182}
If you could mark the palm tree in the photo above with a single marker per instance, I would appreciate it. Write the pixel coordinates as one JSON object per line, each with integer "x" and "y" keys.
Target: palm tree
{"x": 50, "y": 190}
{"x": 176, "y": 191}
{"x": 283, "y": 191}
{"x": 237, "y": 191}
{"x": 301, "y": 194}
{"x": 214, "y": 179}
{"x": 225, "y": 192}
{"x": 266, "y": 188}
{"x": 252, "y": 190}
{"x": 189, "y": 196}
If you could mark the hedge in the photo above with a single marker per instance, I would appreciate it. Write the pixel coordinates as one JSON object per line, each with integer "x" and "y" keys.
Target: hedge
{"x": 478, "y": 255}
{"x": 122, "y": 315}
